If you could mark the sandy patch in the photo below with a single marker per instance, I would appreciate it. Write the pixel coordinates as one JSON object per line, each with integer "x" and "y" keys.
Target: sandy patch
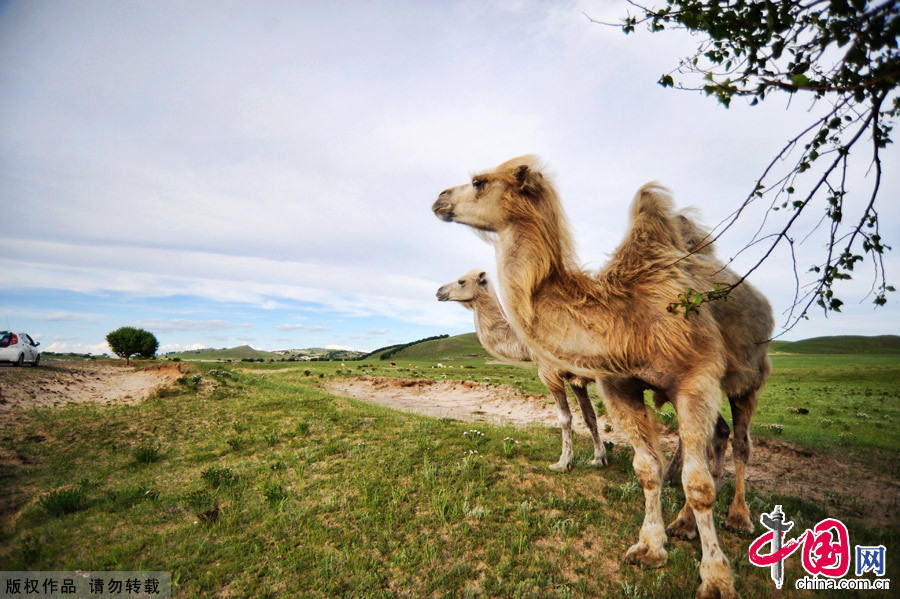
{"x": 845, "y": 486}
{"x": 57, "y": 383}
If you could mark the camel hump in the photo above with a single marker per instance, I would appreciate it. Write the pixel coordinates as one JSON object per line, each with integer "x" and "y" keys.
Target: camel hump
{"x": 653, "y": 199}
{"x": 695, "y": 237}
{"x": 652, "y": 211}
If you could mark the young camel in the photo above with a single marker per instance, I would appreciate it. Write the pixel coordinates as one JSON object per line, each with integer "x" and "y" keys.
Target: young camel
{"x": 616, "y": 326}
{"x": 474, "y": 291}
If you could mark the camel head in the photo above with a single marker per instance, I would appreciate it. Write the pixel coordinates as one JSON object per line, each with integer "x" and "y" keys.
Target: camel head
{"x": 466, "y": 289}
{"x": 515, "y": 197}
{"x": 492, "y": 199}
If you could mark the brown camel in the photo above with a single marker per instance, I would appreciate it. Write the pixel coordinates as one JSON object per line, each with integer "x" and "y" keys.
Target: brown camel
{"x": 616, "y": 326}
{"x": 744, "y": 317}
{"x": 474, "y": 291}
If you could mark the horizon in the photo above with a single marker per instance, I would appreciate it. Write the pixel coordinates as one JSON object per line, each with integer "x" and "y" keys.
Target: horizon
{"x": 368, "y": 351}
{"x": 221, "y": 173}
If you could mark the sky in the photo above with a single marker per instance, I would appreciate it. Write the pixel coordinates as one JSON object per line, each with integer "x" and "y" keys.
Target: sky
{"x": 228, "y": 173}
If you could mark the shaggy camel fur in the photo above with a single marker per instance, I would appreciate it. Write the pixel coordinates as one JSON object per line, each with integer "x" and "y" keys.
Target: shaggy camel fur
{"x": 474, "y": 291}
{"x": 616, "y": 326}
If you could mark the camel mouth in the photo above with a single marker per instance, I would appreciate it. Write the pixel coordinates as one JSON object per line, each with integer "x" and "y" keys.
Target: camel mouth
{"x": 442, "y": 296}
{"x": 443, "y": 210}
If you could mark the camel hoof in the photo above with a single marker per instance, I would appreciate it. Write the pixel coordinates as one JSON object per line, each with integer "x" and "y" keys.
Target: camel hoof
{"x": 645, "y": 557}
{"x": 600, "y": 462}
{"x": 739, "y": 523}
{"x": 683, "y": 528}
{"x": 561, "y": 466}
{"x": 710, "y": 590}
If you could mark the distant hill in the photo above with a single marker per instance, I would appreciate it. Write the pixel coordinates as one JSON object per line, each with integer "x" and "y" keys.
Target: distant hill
{"x": 842, "y": 344}
{"x": 467, "y": 346}
{"x": 245, "y": 352}
{"x": 234, "y": 353}
{"x": 459, "y": 346}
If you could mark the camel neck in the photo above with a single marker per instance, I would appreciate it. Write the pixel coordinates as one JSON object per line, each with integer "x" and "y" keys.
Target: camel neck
{"x": 525, "y": 265}
{"x": 494, "y": 331}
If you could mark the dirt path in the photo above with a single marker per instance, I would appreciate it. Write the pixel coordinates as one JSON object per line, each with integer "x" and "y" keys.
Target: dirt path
{"x": 57, "y": 383}
{"x": 848, "y": 487}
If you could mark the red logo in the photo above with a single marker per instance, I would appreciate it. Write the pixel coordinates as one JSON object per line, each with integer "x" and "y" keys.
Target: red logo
{"x": 826, "y": 548}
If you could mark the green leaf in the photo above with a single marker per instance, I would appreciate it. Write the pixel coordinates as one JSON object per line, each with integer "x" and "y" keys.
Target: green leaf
{"x": 800, "y": 80}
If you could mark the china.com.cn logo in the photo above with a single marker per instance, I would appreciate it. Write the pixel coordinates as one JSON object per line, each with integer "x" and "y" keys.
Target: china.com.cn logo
{"x": 825, "y": 551}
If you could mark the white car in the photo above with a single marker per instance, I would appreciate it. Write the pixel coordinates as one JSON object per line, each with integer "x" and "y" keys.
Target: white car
{"x": 19, "y": 348}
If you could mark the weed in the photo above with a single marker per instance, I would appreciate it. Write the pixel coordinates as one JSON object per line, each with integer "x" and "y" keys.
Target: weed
{"x": 474, "y": 512}
{"x": 474, "y": 437}
{"x": 274, "y": 492}
{"x": 219, "y": 477}
{"x": 147, "y": 453}
{"x": 200, "y": 500}
{"x": 64, "y": 501}
{"x": 31, "y": 549}
{"x": 190, "y": 383}
{"x": 236, "y": 443}
{"x": 509, "y": 447}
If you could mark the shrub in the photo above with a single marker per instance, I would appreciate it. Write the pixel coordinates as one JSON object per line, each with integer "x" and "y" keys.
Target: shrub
{"x": 129, "y": 341}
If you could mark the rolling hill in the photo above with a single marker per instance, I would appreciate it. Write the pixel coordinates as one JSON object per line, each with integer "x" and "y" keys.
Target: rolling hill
{"x": 235, "y": 353}
{"x": 842, "y": 344}
{"x": 467, "y": 346}
{"x": 459, "y": 346}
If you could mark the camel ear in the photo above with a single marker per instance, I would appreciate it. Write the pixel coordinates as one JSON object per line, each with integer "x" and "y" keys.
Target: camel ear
{"x": 482, "y": 278}
{"x": 529, "y": 180}
{"x": 521, "y": 173}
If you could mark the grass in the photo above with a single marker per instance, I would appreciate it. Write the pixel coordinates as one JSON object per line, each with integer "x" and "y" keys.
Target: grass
{"x": 460, "y": 345}
{"x": 836, "y": 404}
{"x": 268, "y": 486}
{"x": 841, "y": 344}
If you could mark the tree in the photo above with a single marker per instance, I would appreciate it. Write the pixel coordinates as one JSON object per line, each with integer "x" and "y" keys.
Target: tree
{"x": 129, "y": 341}
{"x": 843, "y": 56}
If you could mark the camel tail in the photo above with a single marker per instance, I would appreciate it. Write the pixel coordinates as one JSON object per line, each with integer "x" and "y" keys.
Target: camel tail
{"x": 653, "y": 212}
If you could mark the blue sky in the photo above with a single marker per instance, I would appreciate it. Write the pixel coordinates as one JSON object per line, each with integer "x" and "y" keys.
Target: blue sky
{"x": 224, "y": 173}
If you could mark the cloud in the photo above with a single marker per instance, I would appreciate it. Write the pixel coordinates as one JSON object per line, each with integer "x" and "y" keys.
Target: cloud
{"x": 78, "y": 348}
{"x": 174, "y": 325}
{"x": 290, "y": 327}
{"x": 179, "y": 347}
{"x": 61, "y": 316}
{"x": 378, "y": 331}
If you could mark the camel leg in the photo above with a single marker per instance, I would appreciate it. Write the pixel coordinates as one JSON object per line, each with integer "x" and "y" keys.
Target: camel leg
{"x": 625, "y": 404}
{"x": 675, "y": 464}
{"x": 684, "y": 526}
{"x": 742, "y": 409}
{"x": 719, "y": 446}
{"x": 697, "y": 402}
{"x": 554, "y": 382}
{"x": 590, "y": 419}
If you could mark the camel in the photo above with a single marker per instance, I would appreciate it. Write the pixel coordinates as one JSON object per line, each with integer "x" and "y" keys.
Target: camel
{"x": 475, "y": 292}
{"x": 616, "y": 326}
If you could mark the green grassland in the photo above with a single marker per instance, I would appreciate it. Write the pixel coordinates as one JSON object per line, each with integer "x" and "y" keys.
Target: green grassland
{"x": 842, "y": 344}
{"x": 247, "y": 483}
{"x": 459, "y": 347}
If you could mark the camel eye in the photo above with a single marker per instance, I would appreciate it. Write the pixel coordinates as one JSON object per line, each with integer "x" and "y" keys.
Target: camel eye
{"x": 461, "y": 283}
{"x": 478, "y": 184}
